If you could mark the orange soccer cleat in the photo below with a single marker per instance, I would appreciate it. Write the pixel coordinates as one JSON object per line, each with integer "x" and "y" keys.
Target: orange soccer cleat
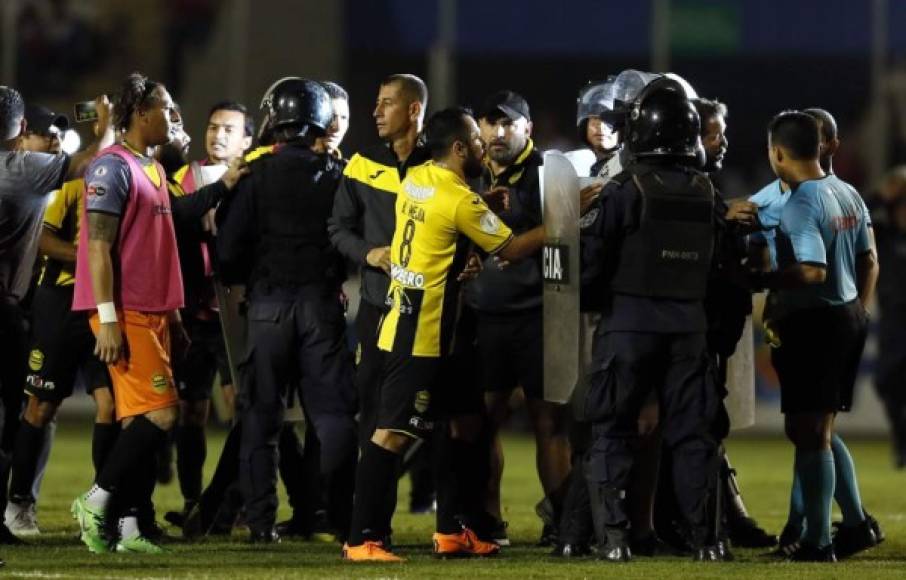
{"x": 369, "y": 552}
{"x": 465, "y": 544}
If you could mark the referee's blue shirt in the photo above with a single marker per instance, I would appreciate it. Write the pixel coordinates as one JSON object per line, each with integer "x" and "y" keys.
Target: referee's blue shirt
{"x": 770, "y": 201}
{"x": 824, "y": 222}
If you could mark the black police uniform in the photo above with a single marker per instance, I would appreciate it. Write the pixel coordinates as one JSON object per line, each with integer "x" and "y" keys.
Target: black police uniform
{"x": 273, "y": 238}
{"x": 656, "y": 225}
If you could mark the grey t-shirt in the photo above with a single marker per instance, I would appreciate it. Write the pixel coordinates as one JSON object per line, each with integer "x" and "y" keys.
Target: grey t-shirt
{"x": 26, "y": 181}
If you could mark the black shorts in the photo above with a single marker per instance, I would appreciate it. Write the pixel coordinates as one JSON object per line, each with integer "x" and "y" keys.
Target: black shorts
{"x": 62, "y": 344}
{"x": 458, "y": 390}
{"x": 818, "y": 358}
{"x": 511, "y": 352}
{"x": 207, "y": 355}
{"x": 407, "y": 389}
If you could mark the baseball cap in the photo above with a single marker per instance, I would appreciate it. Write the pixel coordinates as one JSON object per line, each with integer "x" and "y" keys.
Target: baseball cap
{"x": 40, "y": 119}
{"x": 510, "y": 103}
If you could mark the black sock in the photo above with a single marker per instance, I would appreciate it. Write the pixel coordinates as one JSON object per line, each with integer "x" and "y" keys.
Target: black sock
{"x": 376, "y": 475}
{"x": 29, "y": 441}
{"x": 191, "y": 451}
{"x": 102, "y": 442}
{"x": 133, "y": 448}
{"x": 446, "y": 484}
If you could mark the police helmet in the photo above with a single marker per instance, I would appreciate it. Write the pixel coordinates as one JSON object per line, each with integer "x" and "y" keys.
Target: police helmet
{"x": 297, "y": 102}
{"x": 662, "y": 121}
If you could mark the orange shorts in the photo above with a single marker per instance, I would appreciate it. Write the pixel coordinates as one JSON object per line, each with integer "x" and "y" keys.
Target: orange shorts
{"x": 143, "y": 379}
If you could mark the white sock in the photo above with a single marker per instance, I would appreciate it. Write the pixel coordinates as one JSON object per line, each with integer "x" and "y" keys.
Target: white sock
{"x": 98, "y": 497}
{"x": 129, "y": 528}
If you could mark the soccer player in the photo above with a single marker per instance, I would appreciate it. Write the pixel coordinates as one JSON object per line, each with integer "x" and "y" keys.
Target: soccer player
{"x": 127, "y": 277}
{"x": 827, "y": 270}
{"x": 436, "y": 213}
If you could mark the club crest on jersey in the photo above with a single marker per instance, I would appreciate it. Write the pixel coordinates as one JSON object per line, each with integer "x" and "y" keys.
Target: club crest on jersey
{"x": 36, "y": 360}
{"x": 422, "y": 400}
{"x": 159, "y": 382}
{"x": 490, "y": 223}
{"x": 100, "y": 171}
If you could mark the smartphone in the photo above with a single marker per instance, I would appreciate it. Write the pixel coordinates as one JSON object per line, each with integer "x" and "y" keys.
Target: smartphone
{"x": 85, "y": 111}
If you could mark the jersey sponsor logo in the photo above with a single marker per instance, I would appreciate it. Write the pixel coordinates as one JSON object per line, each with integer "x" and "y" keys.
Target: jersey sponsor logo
{"x": 490, "y": 223}
{"x": 418, "y": 192}
{"x": 406, "y": 277}
{"x": 422, "y": 401}
{"x": 36, "y": 382}
{"x": 376, "y": 174}
{"x": 421, "y": 423}
{"x": 844, "y": 222}
{"x": 96, "y": 189}
{"x": 161, "y": 209}
{"x": 159, "y": 382}
{"x": 36, "y": 360}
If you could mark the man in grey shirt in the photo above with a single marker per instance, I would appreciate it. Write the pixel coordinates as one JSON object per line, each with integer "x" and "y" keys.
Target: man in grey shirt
{"x": 26, "y": 180}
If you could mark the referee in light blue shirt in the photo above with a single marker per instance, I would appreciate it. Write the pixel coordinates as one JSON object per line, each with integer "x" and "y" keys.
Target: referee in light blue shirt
{"x": 826, "y": 272}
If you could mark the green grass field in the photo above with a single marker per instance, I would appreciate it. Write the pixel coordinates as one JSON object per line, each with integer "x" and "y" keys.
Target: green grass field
{"x": 764, "y": 467}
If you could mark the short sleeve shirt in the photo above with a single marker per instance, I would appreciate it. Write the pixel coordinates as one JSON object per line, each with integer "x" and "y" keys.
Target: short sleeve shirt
{"x": 26, "y": 181}
{"x": 825, "y": 222}
{"x": 436, "y": 214}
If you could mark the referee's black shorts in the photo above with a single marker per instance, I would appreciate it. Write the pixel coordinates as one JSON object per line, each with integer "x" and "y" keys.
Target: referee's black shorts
{"x": 818, "y": 358}
{"x": 511, "y": 352}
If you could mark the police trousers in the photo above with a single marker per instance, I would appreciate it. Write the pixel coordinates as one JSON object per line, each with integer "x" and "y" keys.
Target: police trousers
{"x": 626, "y": 367}
{"x": 296, "y": 343}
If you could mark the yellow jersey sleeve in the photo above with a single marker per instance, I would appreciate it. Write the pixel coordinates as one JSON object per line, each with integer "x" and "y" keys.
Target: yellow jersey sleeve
{"x": 477, "y": 222}
{"x": 259, "y": 152}
{"x": 61, "y": 203}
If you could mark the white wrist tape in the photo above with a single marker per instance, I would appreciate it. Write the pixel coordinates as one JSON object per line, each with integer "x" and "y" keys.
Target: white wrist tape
{"x": 107, "y": 312}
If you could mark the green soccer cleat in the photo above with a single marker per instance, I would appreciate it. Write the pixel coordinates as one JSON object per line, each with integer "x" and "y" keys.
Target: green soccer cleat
{"x": 138, "y": 545}
{"x": 91, "y": 525}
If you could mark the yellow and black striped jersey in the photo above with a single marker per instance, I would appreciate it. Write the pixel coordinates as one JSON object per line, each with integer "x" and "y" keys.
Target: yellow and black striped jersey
{"x": 436, "y": 215}
{"x": 62, "y": 216}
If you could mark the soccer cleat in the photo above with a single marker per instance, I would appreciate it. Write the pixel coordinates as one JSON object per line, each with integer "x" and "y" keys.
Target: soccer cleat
{"x": 465, "y": 544}
{"x": 21, "y": 519}
{"x": 850, "y": 540}
{"x": 789, "y": 542}
{"x": 811, "y": 553}
{"x": 91, "y": 525}
{"x": 499, "y": 534}
{"x": 369, "y": 552}
{"x": 137, "y": 545}
{"x": 617, "y": 553}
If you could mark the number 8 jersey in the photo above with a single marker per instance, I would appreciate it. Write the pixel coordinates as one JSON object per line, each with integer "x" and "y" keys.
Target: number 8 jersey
{"x": 436, "y": 216}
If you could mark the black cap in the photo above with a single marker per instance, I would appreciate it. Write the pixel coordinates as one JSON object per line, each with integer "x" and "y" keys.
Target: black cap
{"x": 40, "y": 119}
{"x": 507, "y": 102}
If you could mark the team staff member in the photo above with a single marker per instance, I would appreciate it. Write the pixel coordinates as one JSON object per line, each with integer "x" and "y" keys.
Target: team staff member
{"x": 362, "y": 224}
{"x": 507, "y": 301}
{"x": 26, "y": 180}
{"x": 272, "y": 237}
{"x": 227, "y": 137}
{"x": 128, "y": 279}
{"x": 435, "y": 214}
{"x": 827, "y": 271}
{"x": 652, "y": 335}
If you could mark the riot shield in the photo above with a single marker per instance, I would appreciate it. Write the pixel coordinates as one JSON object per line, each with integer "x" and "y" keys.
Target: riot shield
{"x": 560, "y": 268}
{"x": 229, "y": 299}
{"x": 740, "y": 400}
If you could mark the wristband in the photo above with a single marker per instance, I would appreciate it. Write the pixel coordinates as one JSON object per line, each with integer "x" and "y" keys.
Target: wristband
{"x": 107, "y": 312}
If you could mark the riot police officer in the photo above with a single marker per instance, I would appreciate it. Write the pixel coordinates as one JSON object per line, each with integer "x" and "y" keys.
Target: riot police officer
{"x": 273, "y": 238}
{"x": 656, "y": 223}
